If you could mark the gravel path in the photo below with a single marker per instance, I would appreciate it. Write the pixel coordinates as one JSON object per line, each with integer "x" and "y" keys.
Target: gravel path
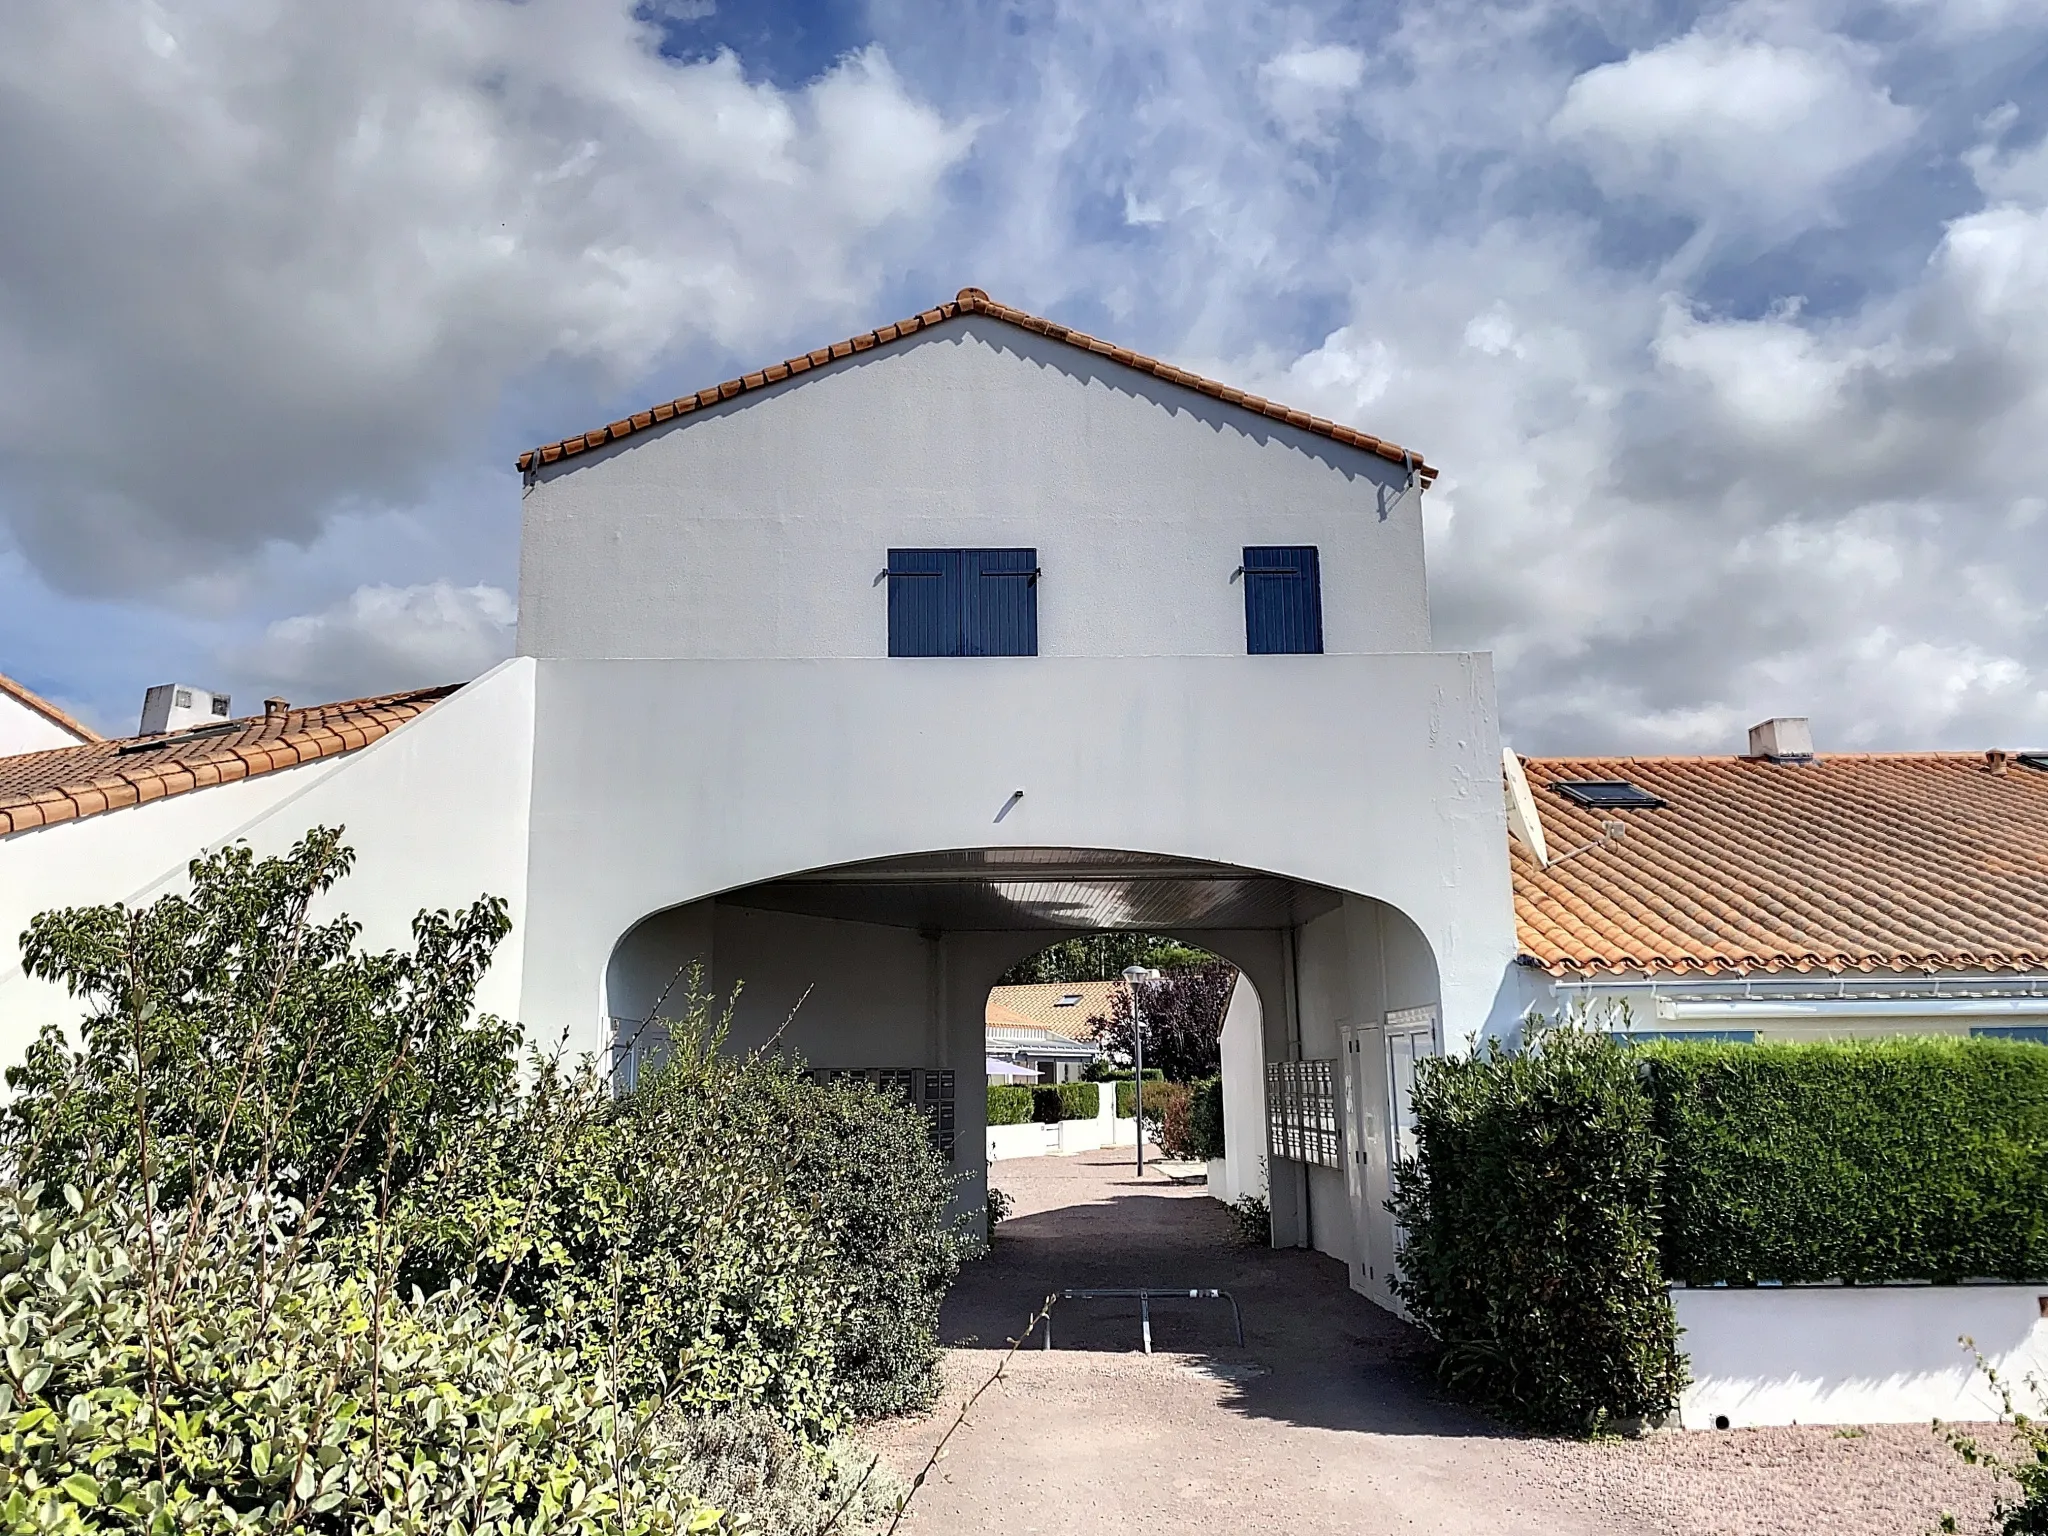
{"x": 1327, "y": 1421}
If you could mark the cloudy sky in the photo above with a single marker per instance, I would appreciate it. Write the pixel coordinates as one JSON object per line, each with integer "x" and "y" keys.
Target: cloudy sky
{"x": 1729, "y": 326}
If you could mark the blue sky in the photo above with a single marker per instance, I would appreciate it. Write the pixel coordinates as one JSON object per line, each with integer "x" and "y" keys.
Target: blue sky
{"x": 1728, "y": 325}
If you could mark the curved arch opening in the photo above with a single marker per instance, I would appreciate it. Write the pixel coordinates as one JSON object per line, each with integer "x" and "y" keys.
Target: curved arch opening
{"x": 887, "y": 967}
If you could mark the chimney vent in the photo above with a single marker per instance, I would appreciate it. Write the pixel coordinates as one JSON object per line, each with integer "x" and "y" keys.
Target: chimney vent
{"x": 178, "y": 706}
{"x": 1783, "y": 739}
{"x": 1995, "y": 761}
{"x": 274, "y": 707}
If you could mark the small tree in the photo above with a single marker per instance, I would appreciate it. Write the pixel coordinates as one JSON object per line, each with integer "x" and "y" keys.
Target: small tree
{"x": 1183, "y": 1013}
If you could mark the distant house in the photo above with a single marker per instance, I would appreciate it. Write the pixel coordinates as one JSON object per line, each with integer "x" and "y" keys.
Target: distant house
{"x": 30, "y": 723}
{"x": 1787, "y": 894}
{"x": 1044, "y": 1028}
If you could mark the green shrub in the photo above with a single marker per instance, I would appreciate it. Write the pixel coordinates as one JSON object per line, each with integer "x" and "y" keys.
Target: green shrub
{"x": 1205, "y": 1119}
{"x": 1864, "y": 1160}
{"x": 1127, "y": 1097}
{"x": 1170, "y": 1110}
{"x": 291, "y": 1394}
{"x": 1009, "y": 1103}
{"x": 1080, "y": 1101}
{"x": 729, "y": 1235}
{"x": 1053, "y": 1102}
{"x": 1530, "y": 1227}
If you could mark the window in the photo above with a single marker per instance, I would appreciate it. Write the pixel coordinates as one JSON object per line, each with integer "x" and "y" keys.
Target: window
{"x": 1070, "y": 1000}
{"x": 1607, "y": 794}
{"x": 1283, "y": 600}
{"x": 963, "y": 602}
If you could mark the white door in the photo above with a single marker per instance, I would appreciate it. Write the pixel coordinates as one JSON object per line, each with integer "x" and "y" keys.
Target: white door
{"x": 1411, "y": 1037}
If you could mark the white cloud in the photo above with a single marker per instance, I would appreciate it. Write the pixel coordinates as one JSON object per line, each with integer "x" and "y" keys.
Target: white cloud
{"x": 269, "y": 258}
{"x": 1738, "y": 128}
{"x": 1305, "y": 87}
{"x": 380, "y": 639}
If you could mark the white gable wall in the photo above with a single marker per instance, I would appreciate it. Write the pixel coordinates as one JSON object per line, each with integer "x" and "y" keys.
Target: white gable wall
{"x": 28, "y": 730}
{"x": 758, "y": 528}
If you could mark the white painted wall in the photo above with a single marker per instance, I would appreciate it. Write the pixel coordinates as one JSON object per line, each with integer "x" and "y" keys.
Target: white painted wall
{"x": 758, "y": 528}
{"x": 1243, "y": 1047}
{"x": 658, "y": 784}
{"x": 27, "y": 730}
{"x": 436, "y": 812}
{"x": 1857, "y": 1354}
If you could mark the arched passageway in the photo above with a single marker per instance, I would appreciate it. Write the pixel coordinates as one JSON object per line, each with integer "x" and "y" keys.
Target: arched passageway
{"x": 885, "y": 967}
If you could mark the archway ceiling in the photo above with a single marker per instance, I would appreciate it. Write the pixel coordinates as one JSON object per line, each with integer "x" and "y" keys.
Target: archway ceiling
{"x": 995, "y": 889}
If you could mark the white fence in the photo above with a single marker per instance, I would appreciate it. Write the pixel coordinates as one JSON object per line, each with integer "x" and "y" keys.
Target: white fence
{"x": 1858, "y": 1354}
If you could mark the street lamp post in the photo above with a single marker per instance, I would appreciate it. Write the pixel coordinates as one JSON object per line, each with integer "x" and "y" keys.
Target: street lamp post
{"x": 1133, "y": 974}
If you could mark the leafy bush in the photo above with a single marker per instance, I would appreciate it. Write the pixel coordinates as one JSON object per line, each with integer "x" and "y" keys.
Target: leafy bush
{"x": 2020, "y": 1464}
{"x": 1127, "y": 1097}
{"x": 1010, "y": 1103}
{"x": 1174, "y": 1119}
{"x": 729, "y": 1237}
{"x": 1103, "y": 1070}
{"x": 1863, "y": 1160}
{"x": 1254, "y": 1220}
{"x": 1054, "y": 1102}
{"x": 195, "y": 1376}
{"x": 1205, "y": 1119}
{"x": 997, "y": 1205}
{"x": 1530, "y": 1219}
{"x": 277, "y": 1049}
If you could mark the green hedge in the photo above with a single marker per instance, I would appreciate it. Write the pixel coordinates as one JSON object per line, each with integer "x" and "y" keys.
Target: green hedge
{"x": 1127, "y": 1096}
{"x": 1908, "y": 1159}
{"x": 1054, "y": 1102}
{"x": 1530, "y": 1220}
{"x": 1009, "y": 1103}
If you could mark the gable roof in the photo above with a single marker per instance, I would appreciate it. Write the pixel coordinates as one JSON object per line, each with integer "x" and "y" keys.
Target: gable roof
{"x": 969, "y": 301}
{"x": 39, "y": 789}
{"x": 1866, "y": 862}
{"x": 9, "y": 688}
{"x": 1035, "y": 1005}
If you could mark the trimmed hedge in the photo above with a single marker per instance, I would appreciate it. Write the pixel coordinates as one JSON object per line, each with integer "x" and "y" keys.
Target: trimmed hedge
{"x": 1009, "y": 1103}
{"x": 1530, "y": 1218}
{"x": 1863, "y": 1160}
{"x": 1127, "y": 1096}
{"x": 1054, "y": 1102}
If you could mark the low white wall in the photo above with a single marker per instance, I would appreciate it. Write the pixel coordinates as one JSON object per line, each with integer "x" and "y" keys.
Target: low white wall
{"x": 1219, "y": 1180}
{"x": 1856, "y": 1354}
{"x": 1027, "y": 1140}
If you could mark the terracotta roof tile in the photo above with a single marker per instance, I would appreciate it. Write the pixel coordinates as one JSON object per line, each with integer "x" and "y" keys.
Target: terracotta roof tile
{"x": 39, "y": 789}
{"x": 1037, "y": 1004}
{"x": 1871, "y": 862}
{"x": 972, "y": 301}
{"x": 9, "y": 688}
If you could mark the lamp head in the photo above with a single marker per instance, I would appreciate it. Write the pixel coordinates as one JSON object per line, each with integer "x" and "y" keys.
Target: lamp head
{"x": 1134, "y": 974}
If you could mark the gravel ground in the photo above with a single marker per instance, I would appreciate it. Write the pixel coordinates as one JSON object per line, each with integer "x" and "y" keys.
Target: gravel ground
{"x": 1327, "y": 1420}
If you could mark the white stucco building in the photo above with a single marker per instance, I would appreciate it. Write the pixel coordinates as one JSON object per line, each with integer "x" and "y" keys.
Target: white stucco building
{"x": 31, "y": 723}
{"x": 776, "y": 643}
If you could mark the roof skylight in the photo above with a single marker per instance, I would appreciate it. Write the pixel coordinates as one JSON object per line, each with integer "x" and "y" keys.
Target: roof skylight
{"x": 1068, "y": 1001}
{"x": 1607, "y": 794}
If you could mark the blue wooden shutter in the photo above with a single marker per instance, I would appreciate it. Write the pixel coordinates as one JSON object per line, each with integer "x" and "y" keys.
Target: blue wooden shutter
{"x": 999, "y": 602}
{"x": 924, "y": 602}
{"x": 1283, "y": 599}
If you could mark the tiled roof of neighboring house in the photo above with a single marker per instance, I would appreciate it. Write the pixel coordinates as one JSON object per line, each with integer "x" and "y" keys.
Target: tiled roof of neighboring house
{"x": 38, "y": 789}
{"x": 9, "y": 688}
{"x": 1871, "y": 862}
{"x": 971, "y": 301}
{"x": 1039, "y": 1004}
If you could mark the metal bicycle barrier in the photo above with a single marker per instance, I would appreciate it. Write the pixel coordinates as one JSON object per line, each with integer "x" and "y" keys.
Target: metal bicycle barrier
{"x": 1144, "y": 1297}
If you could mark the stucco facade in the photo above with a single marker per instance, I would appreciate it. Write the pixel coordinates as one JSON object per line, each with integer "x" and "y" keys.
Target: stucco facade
{"x": 704, "y": 753}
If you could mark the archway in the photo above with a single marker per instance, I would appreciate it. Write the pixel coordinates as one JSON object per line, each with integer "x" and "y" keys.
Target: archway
{"x": 884, "y": 967}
